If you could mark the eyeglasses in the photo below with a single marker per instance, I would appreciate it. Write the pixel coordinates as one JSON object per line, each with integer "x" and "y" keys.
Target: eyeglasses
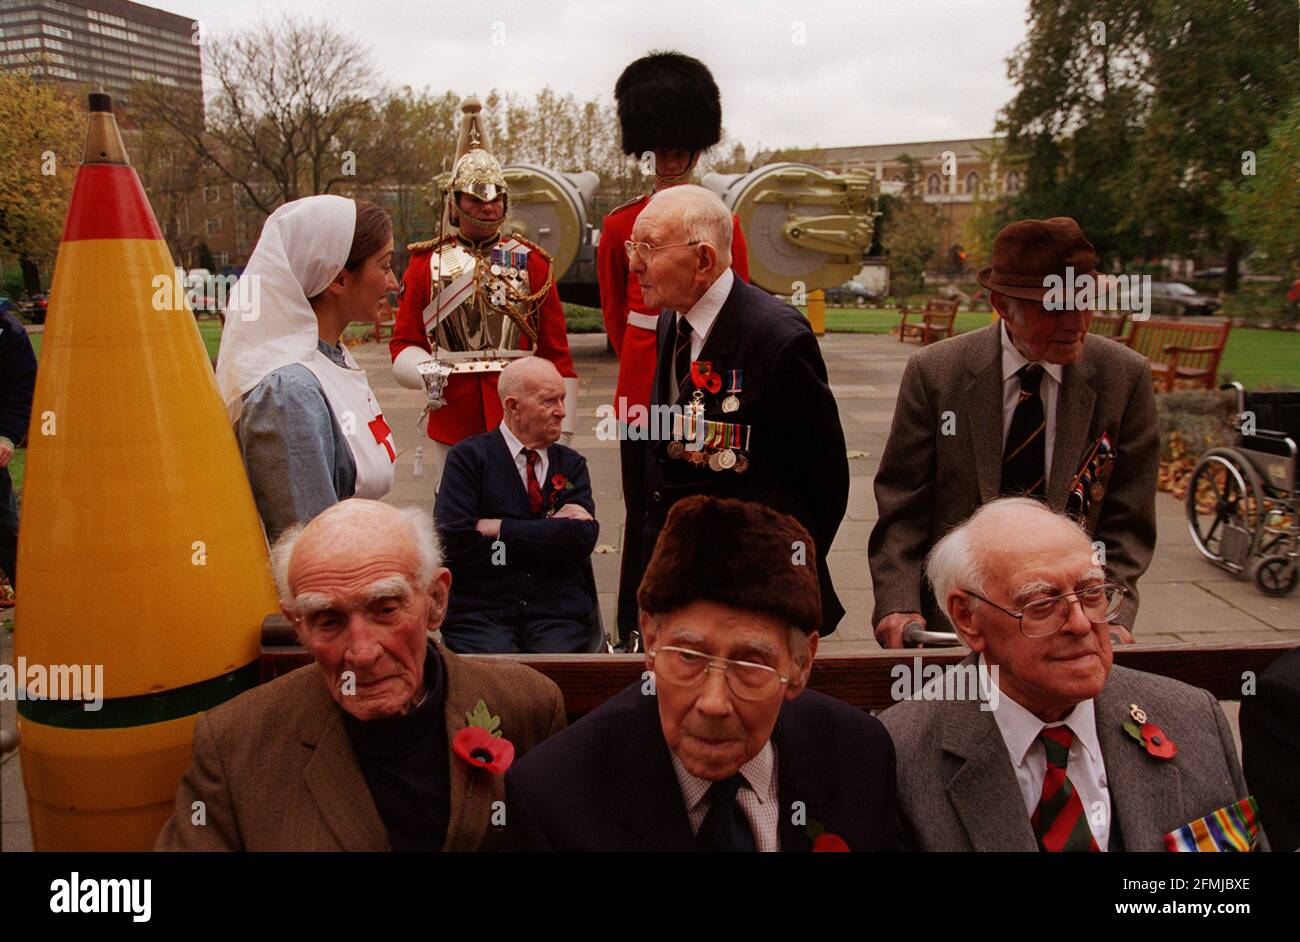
{"x": 686, "y": 668}
{"x": 646, "y": 250}
{"x": 1044, "y": 617}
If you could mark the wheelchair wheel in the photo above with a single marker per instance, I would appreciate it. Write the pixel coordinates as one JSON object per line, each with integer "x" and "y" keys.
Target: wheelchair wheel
{"x": 1224, "y": 500}
{"x": 1276, "y": 575}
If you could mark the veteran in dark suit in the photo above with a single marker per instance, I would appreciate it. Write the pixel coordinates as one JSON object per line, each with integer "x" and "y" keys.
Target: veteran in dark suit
{"x": 1031, "y": 404}
{"x": 768, "y": 429}
{"x": 370, "y": 748}
{"x": 1270, "y": 748}
{"x": 1053, "y": 749}
{"x": 517, "y": 520}
{"x": 722, "y": 747}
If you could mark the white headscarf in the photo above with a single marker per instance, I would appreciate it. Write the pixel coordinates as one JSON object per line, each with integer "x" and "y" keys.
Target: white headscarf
{"x": 269, "y": 324}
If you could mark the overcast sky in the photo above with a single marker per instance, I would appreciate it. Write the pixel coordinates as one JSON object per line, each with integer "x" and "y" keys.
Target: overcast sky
{"x": 793, "y": 73}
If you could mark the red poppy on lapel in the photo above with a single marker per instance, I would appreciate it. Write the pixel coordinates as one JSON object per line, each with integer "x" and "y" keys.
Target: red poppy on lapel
{"x": 1148, "y": 735}
{"x": 559, "y": 484}
{"x": 481, "y": 743}
{"x": 480, "y": 748}
{"x": 830, "y": 843}
{"x": 703, "y": 377}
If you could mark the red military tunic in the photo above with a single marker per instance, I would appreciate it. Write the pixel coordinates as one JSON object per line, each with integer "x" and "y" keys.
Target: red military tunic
{"x": 621, "y": 303}
{"x": 471, "y": 402}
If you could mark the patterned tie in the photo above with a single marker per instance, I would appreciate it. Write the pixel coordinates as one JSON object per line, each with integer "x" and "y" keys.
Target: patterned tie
{"x": 682, "y": 354}
{"x": 534, "y": 488}
{"x": 1025, "y": 454}
{"x": 725, "y": 827}
{"x": 1059, "y": 822}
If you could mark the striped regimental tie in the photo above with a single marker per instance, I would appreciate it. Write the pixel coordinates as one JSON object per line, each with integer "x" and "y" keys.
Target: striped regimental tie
{"x": 1059, "y": 822}
{"x": 682, "y": 354}
{"x": 1025, "y": 456}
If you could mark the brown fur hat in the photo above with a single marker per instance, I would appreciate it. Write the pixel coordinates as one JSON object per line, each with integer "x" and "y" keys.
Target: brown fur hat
{"x": 736, "y": 553}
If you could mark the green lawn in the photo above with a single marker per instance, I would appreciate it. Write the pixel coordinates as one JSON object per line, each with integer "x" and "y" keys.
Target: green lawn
{"x": 1253, "y": 357}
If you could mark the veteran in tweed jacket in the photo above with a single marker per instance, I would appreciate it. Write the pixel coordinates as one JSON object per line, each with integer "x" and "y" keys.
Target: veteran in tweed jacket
{"x": 977, "y": 772}
{"x": 944, "y": 456}
{"x": 359, "y": 751}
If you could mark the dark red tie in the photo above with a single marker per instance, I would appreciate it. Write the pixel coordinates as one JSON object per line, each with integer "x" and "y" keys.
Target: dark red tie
{"x": 1059, "y": 822}
{"x": 534, "y": 488}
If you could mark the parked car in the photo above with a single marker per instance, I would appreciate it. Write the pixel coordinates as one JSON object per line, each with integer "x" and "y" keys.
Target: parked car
{"x": 1173, "y": 297}
{"x": 849, "y": 294}
{"x": 33, "y": 307}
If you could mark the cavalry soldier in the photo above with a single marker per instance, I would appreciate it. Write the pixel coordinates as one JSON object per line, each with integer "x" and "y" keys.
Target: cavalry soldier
{"x": 474, "y": 300}
{"x": 668, "y": 106}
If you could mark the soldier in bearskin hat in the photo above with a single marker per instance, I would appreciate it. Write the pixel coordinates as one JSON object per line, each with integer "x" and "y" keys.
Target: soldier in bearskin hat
{"x": 669, "y": 113}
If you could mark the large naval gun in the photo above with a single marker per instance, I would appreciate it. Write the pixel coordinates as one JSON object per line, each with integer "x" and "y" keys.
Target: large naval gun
{"x": 805, "y": 227}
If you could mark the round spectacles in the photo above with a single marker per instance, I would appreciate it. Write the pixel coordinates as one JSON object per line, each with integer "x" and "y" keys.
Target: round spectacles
{"x": 686, "y": 668}
{"x": 1044, "y": 617}
{"x": 646, "y": 250}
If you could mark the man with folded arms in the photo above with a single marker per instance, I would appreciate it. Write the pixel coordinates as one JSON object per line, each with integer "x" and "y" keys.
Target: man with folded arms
{"x": 1068, "y": 753}
{"x": 371, "y": 747}
{"x": 516, "y": 515}
{"x": 722, "y": 747}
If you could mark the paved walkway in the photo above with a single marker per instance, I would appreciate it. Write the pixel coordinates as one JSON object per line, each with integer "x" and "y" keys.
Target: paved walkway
{"x": 1184, "y": 598}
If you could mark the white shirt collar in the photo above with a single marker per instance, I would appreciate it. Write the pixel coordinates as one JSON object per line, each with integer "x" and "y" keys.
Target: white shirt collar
{"x": 705, "y": 311}
{"x": 1020, "y": 728}
{"x": 757, "y": 773}
{"x": 514, "y": 445}
{"x": 1013, "y": 359}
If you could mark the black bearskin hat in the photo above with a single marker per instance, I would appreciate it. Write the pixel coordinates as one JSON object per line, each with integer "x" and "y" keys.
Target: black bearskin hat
{"x": 668, "y": 101}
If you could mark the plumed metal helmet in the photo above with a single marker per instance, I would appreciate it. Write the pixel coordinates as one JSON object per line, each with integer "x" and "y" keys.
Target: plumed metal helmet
{"x": 668, "y": 101}
{"x": 476, "y": 171}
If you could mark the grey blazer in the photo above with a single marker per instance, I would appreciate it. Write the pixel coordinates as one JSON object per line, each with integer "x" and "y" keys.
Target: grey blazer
{"x": 928, "y": 482}
{"x": 957, "y": 790}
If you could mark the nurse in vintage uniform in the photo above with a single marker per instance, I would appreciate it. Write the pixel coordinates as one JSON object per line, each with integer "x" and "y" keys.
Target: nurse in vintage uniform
{"x": 310, "y": 430}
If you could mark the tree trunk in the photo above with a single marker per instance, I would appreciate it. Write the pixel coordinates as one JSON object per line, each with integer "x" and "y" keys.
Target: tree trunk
{"x": 31, "y": 276}
{"x": 1231, "y": 261}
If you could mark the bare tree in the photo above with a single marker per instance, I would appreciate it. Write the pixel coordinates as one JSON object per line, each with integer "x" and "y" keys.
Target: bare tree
{"x": 291, "y": 100}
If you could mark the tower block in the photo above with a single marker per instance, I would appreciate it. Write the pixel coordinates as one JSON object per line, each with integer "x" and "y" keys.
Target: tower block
{"x": 140, "y": 546}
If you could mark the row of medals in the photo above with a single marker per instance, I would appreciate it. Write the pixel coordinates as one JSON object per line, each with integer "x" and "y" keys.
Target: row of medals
{"x": 718, "y": 459}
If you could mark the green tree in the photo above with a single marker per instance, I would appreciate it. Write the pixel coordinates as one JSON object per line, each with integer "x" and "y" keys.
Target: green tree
{"x": 909, "y": 229}
{"x": 1222, "y": 73}
{"x": 1262, "y": 211}
{"x": 1131, "y": 115}
{"x": 41, "y": 136}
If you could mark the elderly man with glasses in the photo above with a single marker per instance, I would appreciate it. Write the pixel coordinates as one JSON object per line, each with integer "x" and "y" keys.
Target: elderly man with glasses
{"x": 1068, "y": 753}
{"x": 720, "y": 747}
{"x": 744, "y": 374}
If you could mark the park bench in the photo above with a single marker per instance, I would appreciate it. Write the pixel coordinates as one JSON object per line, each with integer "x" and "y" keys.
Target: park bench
{"x": 866, "y": 681}
{"x": 1109, "y": 325}
{"x": 936, "y": 322}
{"x": 1178, "y": 351}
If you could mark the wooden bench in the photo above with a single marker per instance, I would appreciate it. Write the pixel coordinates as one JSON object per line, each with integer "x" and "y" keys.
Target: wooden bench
{"x": 936, "y": 323}
{"x": 865, "y": 681}
{"x": 385, "y": 325}
{"x": 1109, "y": 325}
{"x": 1179, "y": 351}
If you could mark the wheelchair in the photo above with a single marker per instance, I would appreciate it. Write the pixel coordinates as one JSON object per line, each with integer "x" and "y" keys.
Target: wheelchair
{"x": 1243, "y": 501}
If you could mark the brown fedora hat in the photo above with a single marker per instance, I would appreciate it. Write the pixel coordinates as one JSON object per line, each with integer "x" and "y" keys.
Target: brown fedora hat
{"x": 1025, "y": 253}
